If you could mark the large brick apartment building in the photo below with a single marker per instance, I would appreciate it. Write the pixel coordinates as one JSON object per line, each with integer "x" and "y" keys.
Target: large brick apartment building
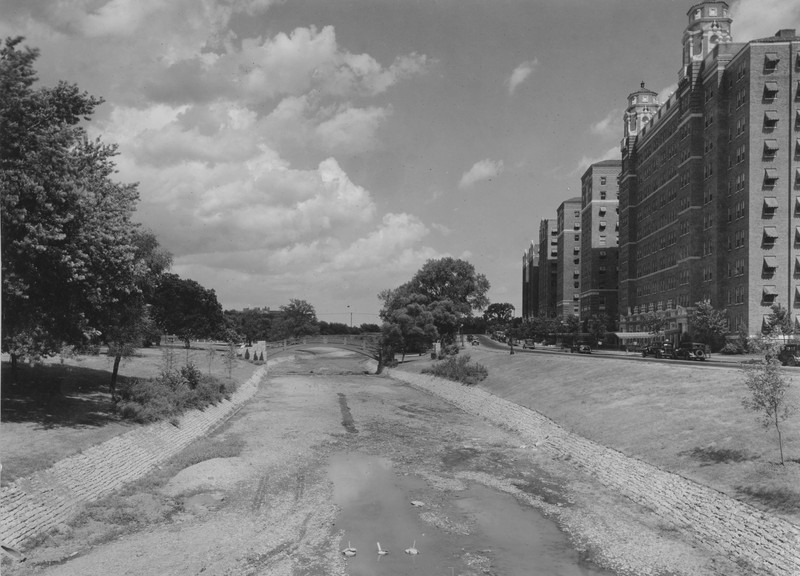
{"x": 710, "y": 182}
{"x": 568, "y": 259}
{"x": 548, "y": 267}
{"x": 709, "y": 191}
{"x": 599, "y": 238}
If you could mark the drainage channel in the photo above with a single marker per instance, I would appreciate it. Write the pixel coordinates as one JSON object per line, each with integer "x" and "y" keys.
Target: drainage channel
{"x": 490, "y": 532}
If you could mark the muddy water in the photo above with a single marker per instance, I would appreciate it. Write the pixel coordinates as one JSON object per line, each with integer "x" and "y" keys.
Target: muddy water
{"x": 493, "y": 533}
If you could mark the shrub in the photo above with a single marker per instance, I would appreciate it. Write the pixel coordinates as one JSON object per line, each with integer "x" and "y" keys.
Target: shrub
{"x": 459, "y": 369}
{"x": 192, "y": 375}
{"x": 448, "y": 351}
{"x": 171, "y": 394}
{"x": 733, "y": 347}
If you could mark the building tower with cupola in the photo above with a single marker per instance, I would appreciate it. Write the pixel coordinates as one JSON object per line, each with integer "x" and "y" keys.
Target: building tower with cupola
{"x": 710, "y": 183}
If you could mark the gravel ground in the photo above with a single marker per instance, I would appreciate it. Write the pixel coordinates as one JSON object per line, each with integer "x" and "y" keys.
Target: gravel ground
{"x": 269, "y": 508}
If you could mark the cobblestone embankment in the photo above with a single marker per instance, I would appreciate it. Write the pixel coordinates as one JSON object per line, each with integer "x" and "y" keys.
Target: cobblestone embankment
{"x": 768, "y": 544}
{"x": 35, "y": 504}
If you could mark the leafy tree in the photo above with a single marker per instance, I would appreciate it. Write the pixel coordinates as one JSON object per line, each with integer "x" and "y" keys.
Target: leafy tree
{"x": 655, "y": 322}
{"x": 572, "y": 326}
{"x": 498, "y": 315}
{"x": 369, "y": 327}
{"x": 598, "y": 324}
{"x": 454, "y": 280}
{"x": 769, "y": 389}
{"x": 67, "y": 236}
{"x": 778, "y": 323}
{"x": 409, "y": 325}
{"x": 448, "y": 288}
{"x": 187, "y": 309}
{"x": 709, "y": 325}
{"x": 127, "y": 323}
{"x": 298, "y": 318}
{"x": 252, "y": 323}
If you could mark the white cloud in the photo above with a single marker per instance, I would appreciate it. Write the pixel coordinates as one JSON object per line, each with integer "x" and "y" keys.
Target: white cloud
{"x": 753, "y": 19}
{"x": 586, "y": 161}
{"x": 611, "y": 125}
{"x": 666, "y": 92}
{"x": 481, "y": 170}
{"x": 520, "y": 74}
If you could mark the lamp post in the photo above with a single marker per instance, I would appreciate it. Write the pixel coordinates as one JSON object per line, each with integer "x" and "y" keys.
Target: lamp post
{"x": 351, "y": 316}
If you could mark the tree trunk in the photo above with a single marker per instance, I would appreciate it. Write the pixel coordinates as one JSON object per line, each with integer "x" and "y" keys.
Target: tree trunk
{"x": 14, "y": 369}
{"x": 780, "y": 439}
{"x": 114, "y": 373}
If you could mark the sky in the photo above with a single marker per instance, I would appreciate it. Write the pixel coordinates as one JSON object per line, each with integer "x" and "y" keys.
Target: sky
{"x": 326, "y": 149}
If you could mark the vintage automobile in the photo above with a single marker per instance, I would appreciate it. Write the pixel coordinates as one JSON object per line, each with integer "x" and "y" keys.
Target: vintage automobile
{"x": 789, "y": 354}
{"x": 692, "y": 351}
{"x": 658, "y": 350}
{"x": 528, "y": 344}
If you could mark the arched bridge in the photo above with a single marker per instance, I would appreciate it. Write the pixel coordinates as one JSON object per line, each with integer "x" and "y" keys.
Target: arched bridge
{"x": 366, "y": 345}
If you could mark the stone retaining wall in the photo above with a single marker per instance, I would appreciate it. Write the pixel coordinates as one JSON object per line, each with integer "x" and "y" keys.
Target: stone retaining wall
{"x": 770, "y": 545}
{"x": 35, "y": 504}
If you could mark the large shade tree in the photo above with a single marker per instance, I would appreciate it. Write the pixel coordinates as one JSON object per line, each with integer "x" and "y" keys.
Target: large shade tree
{"x": 185, "y": 308}
{"x": 297, "y": 318}
{"x": 449, "y": 289}
{"x": 67, "y": 237}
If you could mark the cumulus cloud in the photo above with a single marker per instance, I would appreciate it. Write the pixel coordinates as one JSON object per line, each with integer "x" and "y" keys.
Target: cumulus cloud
{"x": 610, "y": 125}
{"x": 520, "y": 74}
{"x": 234, "y": 141}
{"x": 754, "y": 19}
{"x": 665, "y": 93}
{"x": 481, "y": 170}
{"x": 586, "y": 161}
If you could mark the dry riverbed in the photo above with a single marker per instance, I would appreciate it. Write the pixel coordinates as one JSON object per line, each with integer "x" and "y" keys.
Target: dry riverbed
{"x": 325, "y": 457}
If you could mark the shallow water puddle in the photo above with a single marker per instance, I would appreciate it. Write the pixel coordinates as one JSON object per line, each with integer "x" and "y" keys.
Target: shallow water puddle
{"x": 504, "y": 536}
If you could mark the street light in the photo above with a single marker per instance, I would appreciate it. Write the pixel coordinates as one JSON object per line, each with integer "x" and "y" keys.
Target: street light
{"x": 351, "y": 316}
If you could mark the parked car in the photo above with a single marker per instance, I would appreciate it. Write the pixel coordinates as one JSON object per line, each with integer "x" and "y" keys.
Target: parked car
{"x": 789, "y": 354}
{"x": 474, "y": 341}
{"x": 581, "y": 348}
{"x": 661, "y": 350}
{"x": 528, "y": 344}
{"x": 692, "y": 351}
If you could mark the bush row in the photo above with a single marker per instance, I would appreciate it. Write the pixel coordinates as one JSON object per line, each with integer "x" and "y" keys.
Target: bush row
{"x": 460, "y": 369}
{"x": 171, "y": 393}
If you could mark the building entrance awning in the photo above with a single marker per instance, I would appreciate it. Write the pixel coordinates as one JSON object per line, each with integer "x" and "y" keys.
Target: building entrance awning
{"x": 626, "y": 336}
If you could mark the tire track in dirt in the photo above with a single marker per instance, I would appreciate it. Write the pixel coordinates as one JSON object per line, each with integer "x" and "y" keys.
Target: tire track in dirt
{"x": 347, "y": 417}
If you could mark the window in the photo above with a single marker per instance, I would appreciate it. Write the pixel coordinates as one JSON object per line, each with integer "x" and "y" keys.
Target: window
{"x": 770, "y": 176}
{"x": 770, "y": 90}
{"x": 771, "y": 118}
{"x": 602, "y": 211}
{"x": 770, "y": 263}
{"x": 770, "y": 204}
{"x": 770, "y": 234}
{"x": 771, "y": 60}
{"x": 602, "y": 180}
{"x": 577, "y": 226}
{"x": 603, "y": 224}
{"x": 602, "y": 194}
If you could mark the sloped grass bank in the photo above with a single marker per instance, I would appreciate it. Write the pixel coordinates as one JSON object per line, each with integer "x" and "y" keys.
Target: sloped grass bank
{"x": 686, "y": 419}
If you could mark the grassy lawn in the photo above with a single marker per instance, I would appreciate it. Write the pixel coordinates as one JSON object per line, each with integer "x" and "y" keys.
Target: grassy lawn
{"x": 686, "y": 419}
{"x": 58, "y": 410}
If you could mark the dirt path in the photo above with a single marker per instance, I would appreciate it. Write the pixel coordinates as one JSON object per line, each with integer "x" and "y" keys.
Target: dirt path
{"x": 276, "y": 491}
